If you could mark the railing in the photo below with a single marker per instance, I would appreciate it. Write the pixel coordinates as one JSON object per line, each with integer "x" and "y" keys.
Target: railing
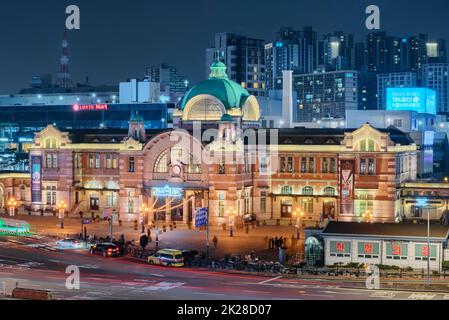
{"x": 194, "y": 177}
{"x": 160, "y": 176}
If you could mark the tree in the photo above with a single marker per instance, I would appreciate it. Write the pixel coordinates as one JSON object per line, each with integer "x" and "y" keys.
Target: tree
{"x": 143, "y": 243}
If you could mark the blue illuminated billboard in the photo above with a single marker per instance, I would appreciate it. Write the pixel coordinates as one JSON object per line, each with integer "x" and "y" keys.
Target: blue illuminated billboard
{"x": 421, "y": 100}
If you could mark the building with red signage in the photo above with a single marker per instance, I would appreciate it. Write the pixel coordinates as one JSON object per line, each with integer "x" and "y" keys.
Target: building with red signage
{"x": 219, "y": 158}
{"x": 402, "y": 245}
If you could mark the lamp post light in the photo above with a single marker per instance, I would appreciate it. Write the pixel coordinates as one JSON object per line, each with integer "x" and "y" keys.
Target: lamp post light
{"x": 12, "y": 204}
{"x": 144, "y": 214}
{"x": 62, "y": 206}
{"x": 231, "y": 214}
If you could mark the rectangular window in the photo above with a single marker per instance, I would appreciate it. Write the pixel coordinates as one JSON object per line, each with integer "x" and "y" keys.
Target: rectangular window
{"x": 97, "y": 161}
{"x": 282, "y": 163}
{"x": 325, "y": 165}
{"x": 422, "y": 252}
{"x": 111, "y": 199}
{"x": 78, "y": 159}
{"x": 307, "y": 205}
{"x": 303, "y": 165}
{"x": 332, "y": 169}
{"x": 108, "y": 161}
{"x": 131, "y": 164}
{"x": 114, "y": 162}
{"x": 222, "y": 167}
{"x": 221, "y": 205}
{"x": 311, "y": 165}
{"x": 396, "y": 251}
{"x": 263, "y": 201}
{"x": 371, "y": 167}
{"x": 340, "y": 249}
{"x": 368, "y": 250}
{"x": 363, "y": 166}
{"x": 290, "y": 164}
{"x": 55, "y": 161}
{"x": 48, "y": 162}
{"x": 91, "y": 161}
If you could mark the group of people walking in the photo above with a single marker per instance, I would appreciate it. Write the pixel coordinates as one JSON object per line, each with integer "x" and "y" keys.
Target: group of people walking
{"x": 276, "y": 242}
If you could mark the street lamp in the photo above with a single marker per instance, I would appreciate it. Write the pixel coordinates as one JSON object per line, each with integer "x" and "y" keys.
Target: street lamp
{"x": 144, "y": 214}
{"x": 231, "y": 214}
{"x": 12, "y": 204}
{"x": 62, "y": 206}
{"x": 298, "y": 214}
{"x": 368, "y": 216}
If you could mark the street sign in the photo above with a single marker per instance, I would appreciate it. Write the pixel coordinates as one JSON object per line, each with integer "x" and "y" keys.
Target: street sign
{"x": 201, "y": 217}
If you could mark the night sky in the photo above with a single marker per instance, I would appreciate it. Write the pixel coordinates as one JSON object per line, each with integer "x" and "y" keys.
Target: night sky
{"x": 119, "y": 39}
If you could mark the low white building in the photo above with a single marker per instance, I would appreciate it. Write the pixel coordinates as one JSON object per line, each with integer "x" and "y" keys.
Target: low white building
{"x": 402, "y": 245}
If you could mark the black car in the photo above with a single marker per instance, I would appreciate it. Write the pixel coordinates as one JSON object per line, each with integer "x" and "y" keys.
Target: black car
{"x": 189, "y": 256}
{"x": 105, "y": 249}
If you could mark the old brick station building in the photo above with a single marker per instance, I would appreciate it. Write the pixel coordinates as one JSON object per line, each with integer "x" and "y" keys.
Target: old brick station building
{"x": 223, "y": 161}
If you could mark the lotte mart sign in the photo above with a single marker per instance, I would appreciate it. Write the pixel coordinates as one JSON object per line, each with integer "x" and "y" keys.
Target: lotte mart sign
{"x": 167, "y": 192}
{"x": 91, "y": 107}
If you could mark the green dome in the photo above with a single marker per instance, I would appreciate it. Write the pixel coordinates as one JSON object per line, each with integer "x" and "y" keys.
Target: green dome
{"x": 230, "y": 93}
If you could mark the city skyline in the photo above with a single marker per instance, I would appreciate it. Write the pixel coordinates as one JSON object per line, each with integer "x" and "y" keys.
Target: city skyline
{"x": 121, "y": 54}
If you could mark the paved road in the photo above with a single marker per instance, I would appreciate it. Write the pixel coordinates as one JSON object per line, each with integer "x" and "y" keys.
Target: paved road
{"x": 35, "y": 262}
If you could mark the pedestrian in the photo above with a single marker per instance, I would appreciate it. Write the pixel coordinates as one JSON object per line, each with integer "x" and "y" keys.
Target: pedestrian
{"x": 215, "y": 240}
{"x": 276, "y": 242}
{"x": 281, "y": 242}
{"x": 149, "y": 232}
{"x": 247, "y": 229}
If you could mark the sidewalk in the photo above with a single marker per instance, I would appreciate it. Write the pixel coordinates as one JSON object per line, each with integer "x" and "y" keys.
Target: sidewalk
{"x": 181, "y": 238}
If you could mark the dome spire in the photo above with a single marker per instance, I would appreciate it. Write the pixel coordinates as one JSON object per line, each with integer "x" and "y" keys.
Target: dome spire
{"x": 218, "y": 69}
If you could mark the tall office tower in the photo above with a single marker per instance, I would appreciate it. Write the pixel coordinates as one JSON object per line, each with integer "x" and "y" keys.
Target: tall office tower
{"x": 360, "y": 56}
{"x": 173, "y": 85}
{"x": 324, "y": 95}
{"x": 422, "y": 50}
{"x": 336, "y": 51}
{"x": 245, "y": 59}
{"x": 435, "y": 76}
{"x": 377, "y": 52}
{"x": 294, "y": 50}
{"x": 398, "y": 57}
{"x": 393, "y": 80}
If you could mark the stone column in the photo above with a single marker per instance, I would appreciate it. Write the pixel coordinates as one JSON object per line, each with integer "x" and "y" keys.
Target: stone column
{"x": 151, "y": 213}
{"x": 185, "y": 211}
{"x": 167, "y": 211}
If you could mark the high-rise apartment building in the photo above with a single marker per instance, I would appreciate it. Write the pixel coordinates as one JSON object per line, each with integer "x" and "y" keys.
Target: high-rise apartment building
{"x": 294, "y": 50}
{"x": 245, "y": 58}
{"x": 325, "y": 95}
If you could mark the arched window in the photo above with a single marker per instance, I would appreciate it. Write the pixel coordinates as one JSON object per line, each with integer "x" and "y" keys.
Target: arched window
{"x": 286, "y": 190}
{"x": 50, "y": 143}
{"x": 307, "y": 191}
{"x": 367, "y": 145}
{"x": 162, "y": 163}
{"x": 329, "y": 191}
{"x": 23, "y": 189}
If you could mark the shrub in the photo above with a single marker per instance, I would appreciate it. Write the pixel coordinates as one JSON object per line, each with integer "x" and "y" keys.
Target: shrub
{"x": 445, "y": 265}
{"x": 387, "y": 267}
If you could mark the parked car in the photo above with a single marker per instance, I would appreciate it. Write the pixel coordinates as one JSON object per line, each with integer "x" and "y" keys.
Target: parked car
{"x": 105, "y": 249}
{"x": 189, "y": 256}
{"x": 250, "y": 218}
{"x": 168, "y": 258}
{"x": 71, "y": 244}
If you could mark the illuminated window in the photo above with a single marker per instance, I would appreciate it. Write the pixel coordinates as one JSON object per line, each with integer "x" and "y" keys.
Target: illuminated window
{"x": 162, "y": 163}
{"x": 221, "y": 204}
{"x": 97, "y": 161}
{"x": 131, "y": 164}
{"x": 91, "y": 161}
{"x": 329, "y": 191}
{"x": 307, "y": 191}
{"x": 286, "y": 190}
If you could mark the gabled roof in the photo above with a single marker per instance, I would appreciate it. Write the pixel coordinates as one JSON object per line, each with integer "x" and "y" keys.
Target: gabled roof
{"x": 386, "y": 230}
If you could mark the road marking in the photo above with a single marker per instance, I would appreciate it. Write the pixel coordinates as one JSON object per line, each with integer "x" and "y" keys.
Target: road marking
{"x": 269, "y": 280}
{"x": 383, "y": 294}
{"x": 421, "y": 296}
{"x": 157, "y": 275}
{"x": 164, "y": 286}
